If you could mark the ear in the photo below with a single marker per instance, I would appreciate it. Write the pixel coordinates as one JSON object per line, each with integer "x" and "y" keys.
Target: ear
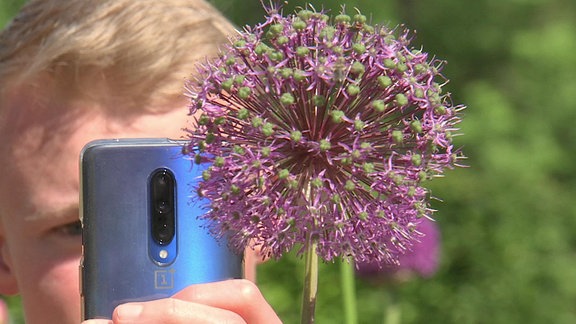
{"x": 8, "y": 284}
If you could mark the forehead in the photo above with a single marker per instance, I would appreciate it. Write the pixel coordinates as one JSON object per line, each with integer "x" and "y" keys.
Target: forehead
{"x": 42, "y": 139}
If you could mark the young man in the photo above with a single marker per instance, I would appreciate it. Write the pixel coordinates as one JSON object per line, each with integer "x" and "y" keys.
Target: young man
{"x": 77, "y": 70}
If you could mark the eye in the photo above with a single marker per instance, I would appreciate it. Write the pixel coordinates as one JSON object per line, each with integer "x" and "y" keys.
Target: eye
{"x": 70, "y": 229}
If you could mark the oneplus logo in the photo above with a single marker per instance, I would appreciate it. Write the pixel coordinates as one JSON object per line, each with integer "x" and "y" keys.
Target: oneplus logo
{"x": 164, "y": 279}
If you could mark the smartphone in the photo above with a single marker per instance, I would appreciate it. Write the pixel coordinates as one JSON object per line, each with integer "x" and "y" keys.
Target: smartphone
{"x": 141, "y": 233}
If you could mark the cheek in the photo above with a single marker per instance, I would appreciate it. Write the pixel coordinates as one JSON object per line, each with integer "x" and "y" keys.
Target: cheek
{"x": 53, "y": 293}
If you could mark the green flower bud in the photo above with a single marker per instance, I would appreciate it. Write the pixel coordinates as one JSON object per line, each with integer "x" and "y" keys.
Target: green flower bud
{"x": 384, "y": 81}
{"x": 416, "y": 126}
{"x": 210, "y": 137}
{"x": 359, "y": 48}
{"x": 401, "y": 67}
{"x": 317, "y": 183}
{"x": 401, "y": 99}
{"x": 292, "y": 184}
{"x": 276, "y": 29}
{"x": 359, "y": 125}
{"x": 419, "y": 93}
{"x": 305, "y": 14}
{"x": 337, "y": 116}
{"x": 275, "y": 56}
{"x": 243, "y": 114}
{"x": 261, "y": 49}
{"x": 302, "y": 51}
{"x": 282, "y": 40}
{"x": 219, "y": 161}
{"x": 234, "y": 189}
{"x": 299, "y": 25}
{"x": 353, "y": 89}
{"x": 296, "y": 136}
{"x": 268, "y": 129}
{"x": 227, "y": 84}
{"x": 257, "y": 122}
{"x": 368, "y": 29}
{"x": 260, "y": 182}
{"x": 203, "y": 120}
{"x": 416, "y": 160}
{"x": 299, "y": 76}
{"x": 240, "y": 43}
{"x": 342, "y": 19}
{"x": 283, "y": 174}
{"x": 286, "y": 73}
{"x": 359, "y": 19}
{"x": 422, "y": 175}
{"x": 244, "y": 93}
{"x": 349, "y": 186}
{"x": 379, "y": 105}
{"x": 419, "y": 69}
{"x": 328, "y": 33}
{"x": 368, "y": 167}
{"x": 319, "y": 100}
{"x": 239, "y": 150}
{"x": 325, "y": 145}
{"x": 287, "y": 99}
{"x": 206, "y": 175}
{"x": 346, "y": 161}
{"x": 266, "y": 151}
{"x": 440, "y": 110}
{"x": 389, "y": 63}
{"x": 335, "y": 198}
{"x": 365, "y": 146}
{"x": 397, "y": 136}
{"x": 357, "y": 68}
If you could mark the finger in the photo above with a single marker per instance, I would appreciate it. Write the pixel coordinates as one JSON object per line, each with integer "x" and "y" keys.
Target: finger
{"x": 98, "y": 321}
{"x": 250, "y": 263}
{"x": 4, "y": 313}
{"x": 172, "y": 311}
{"x": 239, "y": 296}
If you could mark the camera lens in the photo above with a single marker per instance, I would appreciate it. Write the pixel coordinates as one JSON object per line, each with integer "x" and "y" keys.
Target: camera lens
{"x": 163, "y": 207}
{"x": 162, "y": 189}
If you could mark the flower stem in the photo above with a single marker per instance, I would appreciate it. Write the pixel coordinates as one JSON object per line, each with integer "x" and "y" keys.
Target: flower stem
{"x": 348, "y": 292}
{"x": 393, "y": 313}
{"x": 310, "y": 282}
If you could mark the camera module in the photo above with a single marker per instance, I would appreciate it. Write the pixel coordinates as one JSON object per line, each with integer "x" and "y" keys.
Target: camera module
{"x": 162, "y": 189}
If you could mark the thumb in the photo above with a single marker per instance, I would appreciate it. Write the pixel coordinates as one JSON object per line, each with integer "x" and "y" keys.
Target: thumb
{"x": 4, "y": 313}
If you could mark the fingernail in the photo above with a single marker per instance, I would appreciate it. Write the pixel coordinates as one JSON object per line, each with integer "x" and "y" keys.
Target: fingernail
{"x": 129, "y": 311}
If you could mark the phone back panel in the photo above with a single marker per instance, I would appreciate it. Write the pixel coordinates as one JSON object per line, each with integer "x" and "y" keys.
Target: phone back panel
{"x": 119, "y": 262}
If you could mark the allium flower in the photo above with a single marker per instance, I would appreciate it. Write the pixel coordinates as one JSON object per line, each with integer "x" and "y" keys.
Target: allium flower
{"x": 422, "y": 259}
{"x": 321, "y": 130}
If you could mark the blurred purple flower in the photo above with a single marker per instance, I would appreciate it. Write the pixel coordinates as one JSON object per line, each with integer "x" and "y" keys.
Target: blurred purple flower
{"x": 322, "y": 129}
{"x": 422, "y": 259}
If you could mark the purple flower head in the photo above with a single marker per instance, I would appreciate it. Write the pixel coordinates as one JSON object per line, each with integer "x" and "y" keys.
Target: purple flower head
{"x": 322, "y": 127}
{"x": 422, "y": 259}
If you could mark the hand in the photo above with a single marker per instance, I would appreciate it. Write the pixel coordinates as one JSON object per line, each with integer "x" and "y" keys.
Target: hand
{"x": 231, "y": 301}
{"x": 4, "y": 314}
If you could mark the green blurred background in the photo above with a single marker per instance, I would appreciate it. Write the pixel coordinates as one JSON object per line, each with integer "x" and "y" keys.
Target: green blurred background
{"x": 508, "y": 222}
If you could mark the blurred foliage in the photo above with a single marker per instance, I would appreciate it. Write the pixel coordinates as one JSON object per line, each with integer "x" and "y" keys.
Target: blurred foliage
{"x": 508, "y": 222}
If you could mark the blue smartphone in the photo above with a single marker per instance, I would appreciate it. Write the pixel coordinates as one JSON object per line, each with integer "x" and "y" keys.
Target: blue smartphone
{"x": 141, "y": 235}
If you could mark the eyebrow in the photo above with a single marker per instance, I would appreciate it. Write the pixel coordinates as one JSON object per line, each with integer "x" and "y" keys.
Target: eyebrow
{"x": 56, "y": 213}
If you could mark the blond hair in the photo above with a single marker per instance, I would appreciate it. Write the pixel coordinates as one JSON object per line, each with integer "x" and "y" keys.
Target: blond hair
{"x": 140, "y": 51}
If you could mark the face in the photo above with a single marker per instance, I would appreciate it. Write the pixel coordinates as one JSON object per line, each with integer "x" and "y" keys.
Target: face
{"x": 40, "y": 235}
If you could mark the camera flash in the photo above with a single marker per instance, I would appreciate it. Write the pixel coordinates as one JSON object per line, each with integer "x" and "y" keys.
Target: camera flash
{"x": 163, "y": 254}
